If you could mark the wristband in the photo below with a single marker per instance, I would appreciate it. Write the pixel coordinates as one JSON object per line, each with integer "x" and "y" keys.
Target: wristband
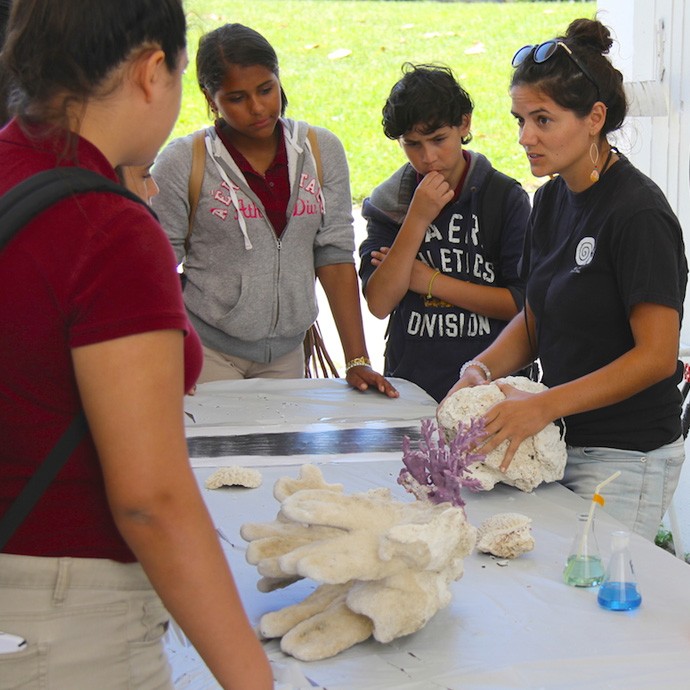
{"x": 357, "y": 362}
{"x": 479, "y": 365}
{"x": 431, "y": 282}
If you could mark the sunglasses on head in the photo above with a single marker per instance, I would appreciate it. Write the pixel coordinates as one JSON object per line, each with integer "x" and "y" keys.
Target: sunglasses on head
{"x": 542, "y": 52}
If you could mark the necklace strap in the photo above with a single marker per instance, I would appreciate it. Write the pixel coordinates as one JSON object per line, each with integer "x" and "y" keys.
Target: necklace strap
{"x": 604, "y": 167}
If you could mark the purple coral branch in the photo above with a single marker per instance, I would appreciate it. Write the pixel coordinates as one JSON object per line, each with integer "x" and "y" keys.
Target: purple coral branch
{"x": 441, "y": 469}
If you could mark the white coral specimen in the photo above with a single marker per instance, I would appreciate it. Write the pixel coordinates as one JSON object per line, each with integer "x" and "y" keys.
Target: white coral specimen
{"x": 506, "y": 535}
{"x": 384, "y": 566}
{"x": 540, "y": 458}
{"x": 234, "y": 475}
{"x": 310, "y": 477}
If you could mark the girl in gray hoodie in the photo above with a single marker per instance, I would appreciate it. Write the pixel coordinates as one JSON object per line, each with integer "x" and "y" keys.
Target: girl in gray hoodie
{"x": 274, "y": 213}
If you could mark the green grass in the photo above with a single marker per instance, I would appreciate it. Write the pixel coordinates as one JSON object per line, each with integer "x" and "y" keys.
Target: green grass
{"x": 346, "y": 95}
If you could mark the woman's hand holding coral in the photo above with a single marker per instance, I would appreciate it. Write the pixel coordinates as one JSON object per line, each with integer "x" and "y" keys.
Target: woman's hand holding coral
{"x": 361, "y": 377}
{"x": 514, "y": 419}
{"x": 472, "y": 377}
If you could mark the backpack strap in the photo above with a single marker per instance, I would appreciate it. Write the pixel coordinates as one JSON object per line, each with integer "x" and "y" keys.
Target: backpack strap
{"x": 17, "y": 207}
{"x": 42, "y": 477}
{"x": 498, "y": 187}
{"x": 40, "y": 191}
{"x": 317, "y": 361}
{"x": 493, "y": 198}
{"x": 196, "y": 177}
{"x": 316, "y": 152}
{"x": 406, "y": 190}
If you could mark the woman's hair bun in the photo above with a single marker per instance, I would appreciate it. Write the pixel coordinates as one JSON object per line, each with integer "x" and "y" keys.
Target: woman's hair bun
{"x": 589, "y": 33}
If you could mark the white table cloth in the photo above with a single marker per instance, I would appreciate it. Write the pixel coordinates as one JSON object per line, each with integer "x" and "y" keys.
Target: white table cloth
{"x": 514, "y": 626}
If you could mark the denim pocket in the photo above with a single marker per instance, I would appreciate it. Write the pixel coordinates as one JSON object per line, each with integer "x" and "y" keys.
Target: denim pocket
{"x": 612, "y": 454}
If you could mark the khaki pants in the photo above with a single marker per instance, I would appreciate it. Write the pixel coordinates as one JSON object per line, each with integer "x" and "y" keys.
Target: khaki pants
{"x": 221, "y": 367}
{"x": 89, "y": 623}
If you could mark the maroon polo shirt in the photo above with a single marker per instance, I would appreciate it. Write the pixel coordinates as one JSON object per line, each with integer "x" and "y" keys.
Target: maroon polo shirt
{"x": 273, "y": 187}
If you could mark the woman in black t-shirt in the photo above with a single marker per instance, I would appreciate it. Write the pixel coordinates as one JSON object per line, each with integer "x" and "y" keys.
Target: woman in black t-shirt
{"x": 606, "y": 280}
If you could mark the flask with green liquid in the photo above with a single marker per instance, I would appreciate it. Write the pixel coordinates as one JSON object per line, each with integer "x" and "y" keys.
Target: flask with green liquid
{"x": 584, "y": 568}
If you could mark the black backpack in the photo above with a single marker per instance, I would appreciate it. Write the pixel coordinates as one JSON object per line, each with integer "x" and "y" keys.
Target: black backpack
{"x": 17, "y": 207}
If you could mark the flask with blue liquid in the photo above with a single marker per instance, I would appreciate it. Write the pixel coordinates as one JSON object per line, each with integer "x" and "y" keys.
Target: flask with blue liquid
{"x": 619, "y": 591}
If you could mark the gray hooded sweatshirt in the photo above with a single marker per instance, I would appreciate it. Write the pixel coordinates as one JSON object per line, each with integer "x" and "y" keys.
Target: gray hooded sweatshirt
{"x": 249, "y": 293}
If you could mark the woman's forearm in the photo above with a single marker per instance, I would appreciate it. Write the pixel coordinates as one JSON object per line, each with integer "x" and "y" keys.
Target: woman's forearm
{"x": 132, "y": 391}
{"x": 393, "y": 276}
{"x": 486, "y": 300}
{"x": 341, "y": 286}
{"x": 174, "y": 539}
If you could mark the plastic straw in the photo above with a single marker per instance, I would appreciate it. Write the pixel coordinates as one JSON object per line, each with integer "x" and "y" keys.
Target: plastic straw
{"x": 596, "y": 498}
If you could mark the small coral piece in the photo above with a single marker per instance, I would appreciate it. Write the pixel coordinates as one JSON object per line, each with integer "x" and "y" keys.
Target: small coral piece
{"x": 505, "y": 535}
{"x": 384, "y": 567}
{"x": 539, "y": 458}
{"x": 234, "y": 476}
{"x": 438, "y": 470}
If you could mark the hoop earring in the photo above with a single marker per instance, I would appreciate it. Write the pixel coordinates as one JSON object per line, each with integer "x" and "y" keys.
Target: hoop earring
{"x": 594, "y": 175}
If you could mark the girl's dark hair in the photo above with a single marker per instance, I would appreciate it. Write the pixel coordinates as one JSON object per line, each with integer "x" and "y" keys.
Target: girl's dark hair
{"x": 564, "y": 82}
{"x": 233, "y": 44}
{"x": 427, "y": 98}
{"x": 69, "y": 47}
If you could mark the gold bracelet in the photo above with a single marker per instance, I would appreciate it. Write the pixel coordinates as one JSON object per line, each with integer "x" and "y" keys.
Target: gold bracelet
{"x": 357, "y": 362}
{"x": 431, "y": 282}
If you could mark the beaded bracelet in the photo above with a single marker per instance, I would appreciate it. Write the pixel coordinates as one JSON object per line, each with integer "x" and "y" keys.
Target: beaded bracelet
{"x": 357, "y": 362}
{"x": 479, "y": 365}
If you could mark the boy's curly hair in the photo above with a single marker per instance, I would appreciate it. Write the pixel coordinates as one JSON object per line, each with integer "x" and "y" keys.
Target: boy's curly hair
{"x": 426, "y": 98}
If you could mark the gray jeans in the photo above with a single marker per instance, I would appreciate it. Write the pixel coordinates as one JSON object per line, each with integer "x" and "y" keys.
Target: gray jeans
{"x": 638, "y": 498}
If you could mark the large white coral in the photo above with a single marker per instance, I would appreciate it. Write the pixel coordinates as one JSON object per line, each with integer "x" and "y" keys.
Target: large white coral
{"x": 540, "y": 458}
{"x": 384, "y": 566}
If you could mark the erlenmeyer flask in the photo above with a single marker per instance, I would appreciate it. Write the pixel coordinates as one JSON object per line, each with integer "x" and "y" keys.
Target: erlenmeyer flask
{"x": 619, "y": 591}
{"x": 583, "y": 567}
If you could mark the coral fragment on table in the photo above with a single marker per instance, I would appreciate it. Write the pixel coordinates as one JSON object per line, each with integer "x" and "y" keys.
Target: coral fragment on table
{"x": 505, "y": 535}
{"x": 234, "y": 475}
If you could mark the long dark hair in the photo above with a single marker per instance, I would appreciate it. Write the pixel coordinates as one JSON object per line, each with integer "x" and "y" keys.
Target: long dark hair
{"x": 233, "y": 44}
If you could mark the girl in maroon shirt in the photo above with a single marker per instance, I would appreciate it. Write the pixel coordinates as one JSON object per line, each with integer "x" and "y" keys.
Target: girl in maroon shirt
{"x": 93, "y": 319}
